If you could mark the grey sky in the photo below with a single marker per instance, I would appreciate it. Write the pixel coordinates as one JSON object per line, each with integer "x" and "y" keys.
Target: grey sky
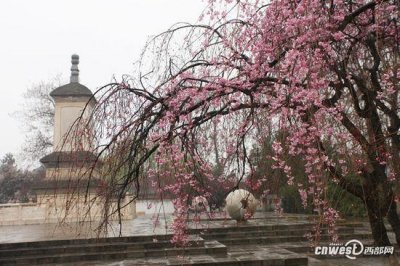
{"x": 38, "y": 38}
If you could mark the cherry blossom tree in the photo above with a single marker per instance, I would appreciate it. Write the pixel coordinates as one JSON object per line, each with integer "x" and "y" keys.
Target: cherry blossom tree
{"x": 325, "y": 72}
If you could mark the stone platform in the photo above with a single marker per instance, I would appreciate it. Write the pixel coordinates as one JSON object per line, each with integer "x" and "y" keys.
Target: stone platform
{"x": 265, "y": 240}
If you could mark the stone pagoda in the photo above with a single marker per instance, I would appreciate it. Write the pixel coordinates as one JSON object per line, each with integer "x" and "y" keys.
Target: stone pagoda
{"x": 70, "y": 187}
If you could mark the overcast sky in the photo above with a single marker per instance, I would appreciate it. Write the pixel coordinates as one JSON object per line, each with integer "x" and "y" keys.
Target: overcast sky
{"x": 38, "y": 38}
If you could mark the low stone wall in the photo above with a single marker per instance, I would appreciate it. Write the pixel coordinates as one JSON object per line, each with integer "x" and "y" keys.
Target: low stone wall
{"x": 55, "y": 210}
{"x": 21, "y": 213}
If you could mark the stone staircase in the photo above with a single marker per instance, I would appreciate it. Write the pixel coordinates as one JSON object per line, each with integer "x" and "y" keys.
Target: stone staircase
{"x": 140, "y": 250}
{"x": 274, "y": 234}
{"x": 253, "y": 244}
{"x": 103, "y": 249}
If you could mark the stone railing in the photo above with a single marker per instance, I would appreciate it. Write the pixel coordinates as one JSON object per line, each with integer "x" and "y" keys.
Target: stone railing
{"x": 21, "y": 213}
{"x": 53, "y": 210}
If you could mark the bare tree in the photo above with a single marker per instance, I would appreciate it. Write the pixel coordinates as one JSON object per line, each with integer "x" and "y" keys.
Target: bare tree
{"x": 37, "y": 119}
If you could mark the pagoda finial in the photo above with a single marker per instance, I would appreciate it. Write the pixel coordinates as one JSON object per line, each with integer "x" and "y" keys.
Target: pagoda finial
{"x": 74, "y": 69}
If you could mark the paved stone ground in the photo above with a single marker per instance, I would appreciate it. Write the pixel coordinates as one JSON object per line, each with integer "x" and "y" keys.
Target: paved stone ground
{"x": 378, "y": 261}
{"x": 371, "y": 261}
{"x": 144, "y": 225}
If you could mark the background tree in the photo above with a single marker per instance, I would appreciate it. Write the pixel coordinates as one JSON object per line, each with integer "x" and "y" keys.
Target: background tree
{"x": 326, "y": 73}
{"x": 16, "y": 184}
{"x": 37, "y": 119}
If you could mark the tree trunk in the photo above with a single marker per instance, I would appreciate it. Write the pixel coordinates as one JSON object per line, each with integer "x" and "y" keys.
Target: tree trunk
{"x": 394, "y": 220}
{"x": 378, "y": 228}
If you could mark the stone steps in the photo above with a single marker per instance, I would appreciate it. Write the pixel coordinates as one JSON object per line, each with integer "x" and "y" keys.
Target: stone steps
{"x": 266, "y": 228}
{"x": 251, "y": 227}
{"x": 64, "y": 258}
{"x": 274, "y": 233}
{"x": 94, "y": 247}
{"x": 281, "y": 239}
{"x": 256, "y": 233}
{"x": 82, "y": 251}
{"x": 271, "y": 256}
{"x": 207, "y": 247}
{"x": 88, "y": 241}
